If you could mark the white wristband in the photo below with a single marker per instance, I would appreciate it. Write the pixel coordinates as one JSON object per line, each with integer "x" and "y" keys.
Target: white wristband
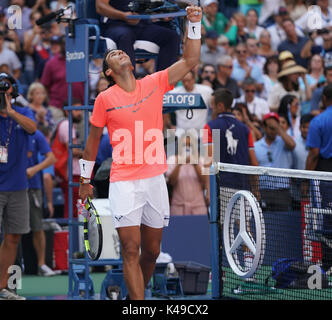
{"x": 86, "y": 167}
{"x": 194, "y": 30}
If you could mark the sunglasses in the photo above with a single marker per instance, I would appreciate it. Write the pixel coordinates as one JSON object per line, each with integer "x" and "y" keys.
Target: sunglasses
{"x": 209, "y": 71}
{"x": 241, "y": 51}
{"x": 269, "y": 156}
{"x": 228, "y": 67}
{"x": 250, "y": 91}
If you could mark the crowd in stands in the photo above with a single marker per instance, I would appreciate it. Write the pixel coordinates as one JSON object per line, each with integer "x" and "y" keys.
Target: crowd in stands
{"x": 264, "y": 52}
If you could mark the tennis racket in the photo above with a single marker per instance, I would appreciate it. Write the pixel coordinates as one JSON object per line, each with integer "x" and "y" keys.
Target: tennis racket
{"x": 93, "y": 233}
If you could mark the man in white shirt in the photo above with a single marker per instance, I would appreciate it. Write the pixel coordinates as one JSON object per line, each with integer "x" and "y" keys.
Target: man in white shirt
{"x": 277, "y": 32}
{"x": 199, "y": 116}
{"x": 258, "y": 107}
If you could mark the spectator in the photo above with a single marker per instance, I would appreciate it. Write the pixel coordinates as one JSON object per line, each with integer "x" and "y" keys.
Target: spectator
{"x": 224, "y": 43}
{"x": 124, "y": 32}
{"x": 264, "y": 46}
{"x": 39, "y": 145}
{"x": 270, "y": 76}
{"x": 243, "y": 69}
{"x": 38, "y": 45}
{"x": 240, "y": 21}
{"x": 207, "y": 75}
{"x": 16, "y": 124}
{"x": 102, "y": 84}
{"x": 210, "y": 50}
{"x": 224, "y": 79}
{"x": 37, "y": 98}
{"x": 319, "y": 142}
{"x": 293, "y": 42}
{"x": 215, "y": 20}
{"x": 316, "y": 100}
{"x": 60, "y": 150}
{"x": 269, "y": 8}
{"x": 184, "y": 176}
{"x": 296, "y": 8}
{"x": 30, "y": 39}
{"x": 199, "y": 116}
{"x": 315, "y": 73}
{"x": 242, "y": 114}
{"x": 284, "y": 122}
{"x": 10, "y": 58}
{"x": 275, "y": 150}
{"x": 253, "y": 57}
{"x": 288, "y": 83}
{"x": 289, "y": 107}
{"x": 258, "y": 107}
{"x": 314, "y": 77}
{"x": 301, "y": 151}
{"x": 246, "y": 5}
{"x": 324, "y": 49}
{"x": 54, "y": 79}
{"x": 252, "y": 28}
{"x": 277, "y": 31}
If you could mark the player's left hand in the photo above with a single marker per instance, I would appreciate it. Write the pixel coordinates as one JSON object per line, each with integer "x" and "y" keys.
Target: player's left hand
{"x": 194, "y": 13}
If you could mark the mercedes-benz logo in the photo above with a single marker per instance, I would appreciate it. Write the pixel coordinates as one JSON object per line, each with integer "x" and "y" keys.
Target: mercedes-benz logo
{"x": 244, "y": 201}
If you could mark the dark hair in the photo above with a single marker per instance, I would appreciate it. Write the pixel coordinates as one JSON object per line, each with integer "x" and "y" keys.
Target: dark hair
{"x": 249, "y": 81}
{"x": 306, "y": 118}
{"x": 224, "y": 96}
{"x": 270, "y": 60}
{"x": 285, "y": 115}
{"x": 327, "y": 92}
{"x": 252, "y": 9}
{"x": 240, "y": 106}
{"x": 106, "y": 67}
{"x": 285, "y": 102}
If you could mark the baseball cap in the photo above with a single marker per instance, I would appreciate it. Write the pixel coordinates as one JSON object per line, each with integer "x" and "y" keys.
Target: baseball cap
{"x": 211, "y": 34}
{"x": 208, "y": 2}
{"x": 55, "y": 39}
{"x": 271, "y": 115}
{"x": 281, "y": 11}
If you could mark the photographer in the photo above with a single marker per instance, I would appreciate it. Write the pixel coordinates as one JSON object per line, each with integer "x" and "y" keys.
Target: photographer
{"x": 16, "y": 124}
{"x": 124, "y": 32}
{"x": 325, "y": 49}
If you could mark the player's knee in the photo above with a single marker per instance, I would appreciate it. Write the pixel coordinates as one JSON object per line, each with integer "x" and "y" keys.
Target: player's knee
{"x": 130, "y": 251}
{"x": 151, "y": 254}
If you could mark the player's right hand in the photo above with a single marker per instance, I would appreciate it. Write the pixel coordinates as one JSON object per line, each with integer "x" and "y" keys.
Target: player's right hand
{"x": 85, "y": 191}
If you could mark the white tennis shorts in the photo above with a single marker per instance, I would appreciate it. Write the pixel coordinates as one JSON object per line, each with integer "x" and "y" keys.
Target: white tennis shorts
{"x": 142, "y": 201}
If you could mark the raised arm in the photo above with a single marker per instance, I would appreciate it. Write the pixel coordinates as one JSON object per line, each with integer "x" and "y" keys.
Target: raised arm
{"x": 192, "y": 47}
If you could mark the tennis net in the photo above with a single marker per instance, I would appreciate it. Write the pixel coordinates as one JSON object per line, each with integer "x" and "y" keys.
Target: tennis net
{"x": 271, "y": 232}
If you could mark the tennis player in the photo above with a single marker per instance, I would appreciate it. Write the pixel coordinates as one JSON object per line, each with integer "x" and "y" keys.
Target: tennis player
{"x": 132, "y": 112}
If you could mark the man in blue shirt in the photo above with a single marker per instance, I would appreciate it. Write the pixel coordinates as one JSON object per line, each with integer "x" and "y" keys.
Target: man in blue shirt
{"x": 274, "y": 150}
{"x": 16, "y": 124}
{"x": 319, "y": 142}
{"x": 39, "y": 145}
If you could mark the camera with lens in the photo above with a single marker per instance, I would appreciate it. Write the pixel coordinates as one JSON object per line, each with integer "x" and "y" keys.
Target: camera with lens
{"x": 4, "y": 86}
{"x": 320, "y": 32}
